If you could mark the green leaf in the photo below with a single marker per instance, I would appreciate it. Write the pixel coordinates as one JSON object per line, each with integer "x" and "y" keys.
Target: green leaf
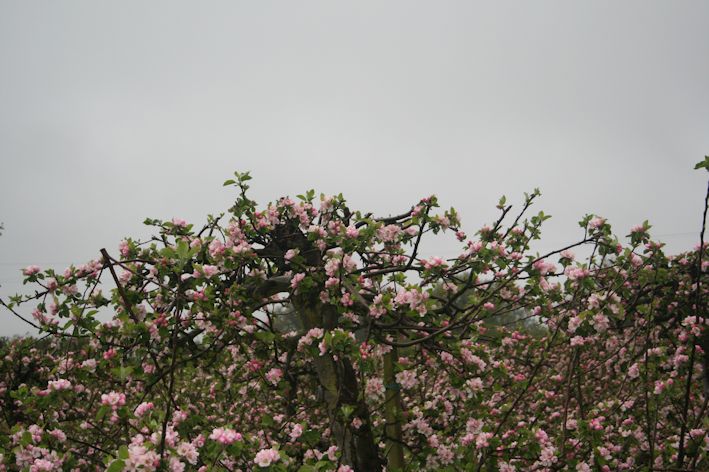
{"x": 242, "y": 177}
{"x": 347, "y": 410}
{"x": 122, "y": 372}
{"x": 123, "y": 452}
{"x": 229, "y": 182}
{"x": 267, "y": 421}
{"x": 310, "y": 437}
{"x": 26, "y": 439}
{"x": 102, "y": 412}
{"x": 235, "y": 449}
{"x": 116, "y": 466}
{"x": 183, "y": 250}
{"x": 265, "y": 336}
{"x": 703, "y": 164}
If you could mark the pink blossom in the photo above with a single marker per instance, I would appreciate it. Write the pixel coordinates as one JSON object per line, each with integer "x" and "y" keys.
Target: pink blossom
{"x": 475, "y": 384}
{"x": 42, "y": 465}
{"x": 31, "y": 270}
{"x": 296, "y": 432}
{"x": 506, "y": 467}
{"x": 407, "y": 379}
{"x": 475, "y": 246}
{"x": 482, "y": 439}
{"x": 331, "y": 453}
{"x": 143, "y": 408}
{"x": 575, "y": 273}
{"x": 296, "y": 280}
{"x": 636, "y": 260}
{"x": 544, "y": 266}
{"x": 434, "y": 262}
{"x": 274, "y": 375}
{"x": 470, "y": 358}
{"x": 659, "y": 387}
{"x": 113, "y": 399}
{"x": 374, "y": 388}
{"x": 596, "y": 222}
{"x": 176, "y": 465}
{"x": 548, "y": 456}
{"x": 188, "y": 451}
{"x": 541, "y": 436}
{"x": 312, "y": 335}
{"x": 634, "y": 371}
{"x": 595, "y": 423}
{"x": 352, "y": 232}
{"x": 51, "y": 284}
{"x": 389, "y": 233}
{"x": 207, "y": 270}
{"x": 574, "y": 323}
{"x": 216, "y": 248}
{"x": 225, "y": 436}
{"x": 414, "y": 298}
{"x": 60, "y": 384}
{"x": 141, "y": 458}
{"x": 58, "y": 434}
{"x": 444, "y": 221}
{"x": 266, "y": 457}
{"x": 346, "y": 299}
{"x": 517, "y": 256}
{"x": 332, "y": 282}
{"x": 600, "y": 322}
{"x": 568, "y": 254}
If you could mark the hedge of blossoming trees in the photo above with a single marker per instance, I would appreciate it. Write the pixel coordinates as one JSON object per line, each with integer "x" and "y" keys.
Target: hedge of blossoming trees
{"x": 306, "y": 336}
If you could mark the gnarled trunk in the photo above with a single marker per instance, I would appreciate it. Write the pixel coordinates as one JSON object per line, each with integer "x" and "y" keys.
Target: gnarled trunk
{"x": 340, "y": 386}
{"x": 392, "y": 413}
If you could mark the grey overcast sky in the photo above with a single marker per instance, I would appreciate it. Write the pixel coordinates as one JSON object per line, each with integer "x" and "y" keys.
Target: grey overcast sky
{"x": 114, "y": 111}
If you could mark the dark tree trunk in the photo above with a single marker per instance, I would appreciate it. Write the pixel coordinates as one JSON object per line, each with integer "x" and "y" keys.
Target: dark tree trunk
{"x": 340, "y": 386}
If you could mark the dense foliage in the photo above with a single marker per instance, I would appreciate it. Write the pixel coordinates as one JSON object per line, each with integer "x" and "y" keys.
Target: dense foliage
{"x": 307, "y": 336}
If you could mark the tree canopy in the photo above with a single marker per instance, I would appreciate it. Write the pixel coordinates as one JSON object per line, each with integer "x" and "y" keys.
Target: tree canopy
{"x": 305, "y": 335}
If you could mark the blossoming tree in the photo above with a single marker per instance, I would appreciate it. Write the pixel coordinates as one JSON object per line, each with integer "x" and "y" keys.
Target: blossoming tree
{"x": 308, "y": 336}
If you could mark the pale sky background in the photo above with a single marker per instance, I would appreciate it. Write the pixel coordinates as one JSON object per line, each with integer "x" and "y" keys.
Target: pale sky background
{"x": 111, "y": 112}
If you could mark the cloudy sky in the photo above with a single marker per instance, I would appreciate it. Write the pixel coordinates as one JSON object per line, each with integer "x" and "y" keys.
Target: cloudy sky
{"x": 111, "y": 112}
